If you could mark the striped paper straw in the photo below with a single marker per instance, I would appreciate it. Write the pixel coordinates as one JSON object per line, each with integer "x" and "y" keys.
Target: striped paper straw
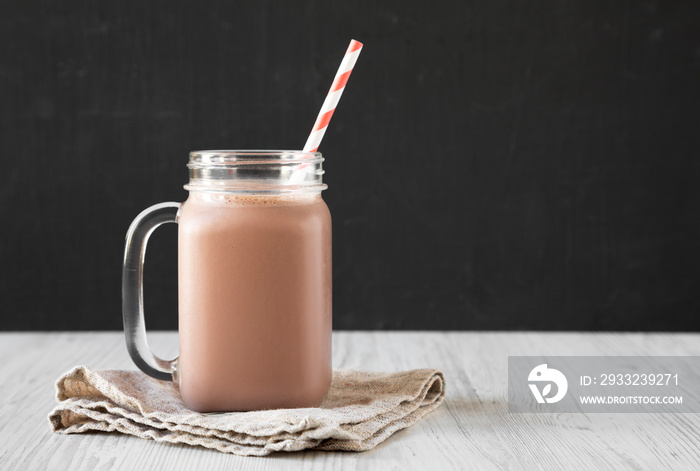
{"x": 331, "y": 101}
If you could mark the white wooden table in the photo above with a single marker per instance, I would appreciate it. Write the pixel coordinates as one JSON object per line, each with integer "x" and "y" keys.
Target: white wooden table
{"x": 471, "y": 430}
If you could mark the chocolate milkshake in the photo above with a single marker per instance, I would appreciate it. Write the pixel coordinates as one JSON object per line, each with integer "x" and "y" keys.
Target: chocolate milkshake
{"x": 254, "y": 301}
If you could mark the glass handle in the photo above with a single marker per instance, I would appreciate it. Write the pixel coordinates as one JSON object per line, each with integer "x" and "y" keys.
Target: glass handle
{"x": 132, "y": 290}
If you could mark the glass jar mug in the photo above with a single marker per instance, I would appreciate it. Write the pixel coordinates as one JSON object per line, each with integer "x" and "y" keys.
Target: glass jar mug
{"x": 254, "y": 283}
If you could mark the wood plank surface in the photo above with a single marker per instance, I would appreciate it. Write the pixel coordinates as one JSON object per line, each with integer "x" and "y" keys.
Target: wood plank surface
{"x": 471, "y": 430}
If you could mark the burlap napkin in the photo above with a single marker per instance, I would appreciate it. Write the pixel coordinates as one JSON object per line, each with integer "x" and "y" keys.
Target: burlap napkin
{"x": 361, "y": 410}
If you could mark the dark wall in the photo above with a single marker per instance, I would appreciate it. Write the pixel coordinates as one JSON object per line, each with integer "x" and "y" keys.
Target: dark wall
{"x": 492, "y": 165}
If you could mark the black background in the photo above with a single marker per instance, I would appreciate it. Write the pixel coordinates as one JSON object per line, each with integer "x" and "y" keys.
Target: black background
{"x": 492, "y": 165}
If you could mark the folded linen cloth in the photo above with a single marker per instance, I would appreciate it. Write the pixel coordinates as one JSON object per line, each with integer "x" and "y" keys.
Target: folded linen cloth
{"x": 361, "y": 410}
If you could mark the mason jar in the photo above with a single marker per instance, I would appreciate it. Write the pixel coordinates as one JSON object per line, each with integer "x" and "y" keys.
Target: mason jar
{"x": 254, "y": 283}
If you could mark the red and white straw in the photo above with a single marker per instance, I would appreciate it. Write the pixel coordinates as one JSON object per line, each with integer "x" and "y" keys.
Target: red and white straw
{"x": 331, "y": 101}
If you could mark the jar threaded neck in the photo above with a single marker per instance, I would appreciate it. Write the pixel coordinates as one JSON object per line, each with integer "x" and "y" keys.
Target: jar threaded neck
{"x": 256, "y": 171}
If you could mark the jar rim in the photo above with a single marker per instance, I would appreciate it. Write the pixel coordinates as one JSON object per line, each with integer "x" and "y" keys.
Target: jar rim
{"x": 252, "y": 155}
